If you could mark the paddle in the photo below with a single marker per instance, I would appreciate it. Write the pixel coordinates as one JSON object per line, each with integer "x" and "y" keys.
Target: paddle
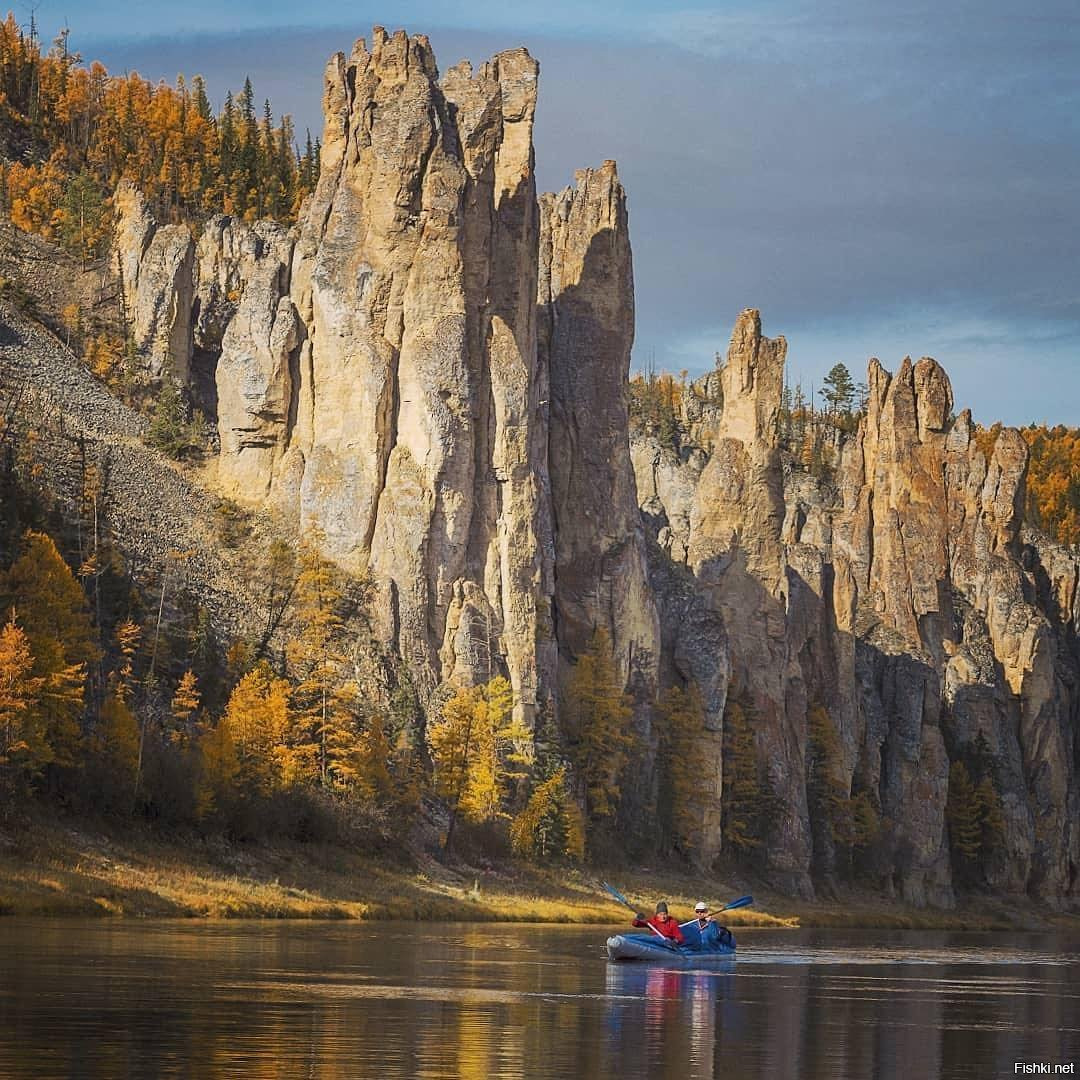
{"x": 743, "y": 901}
{"x": 619, "y": 898}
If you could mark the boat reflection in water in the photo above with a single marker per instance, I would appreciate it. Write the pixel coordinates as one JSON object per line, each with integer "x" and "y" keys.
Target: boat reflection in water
{"x": 684, "y": 1008}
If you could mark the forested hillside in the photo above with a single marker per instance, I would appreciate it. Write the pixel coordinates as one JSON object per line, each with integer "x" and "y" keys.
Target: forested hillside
{"x": 70, "y": 132}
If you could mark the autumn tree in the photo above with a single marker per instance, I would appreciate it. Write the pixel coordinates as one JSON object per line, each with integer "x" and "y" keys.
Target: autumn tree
{"x": 1053, "y": 478}
{"x": 129, "y": 637}
{"x": 473, "y": 751}
{"x": 259, "y": 725}
{"x": 53, "y": 615}
{"x": 23, "y": 744}
{"x": 117, "y": 743}
{"x": 370, "y": 758}
{"x": 550, "y": 825}
{"x": 80, "y": 131}
{"x": 749, "y": 805}
{"x": 596, "y": 720}
{"x": 220, "y": 771}
{"x": 185, "y": 703}
{"x": 319, "y": 660}
{"x": 682, "y": 795}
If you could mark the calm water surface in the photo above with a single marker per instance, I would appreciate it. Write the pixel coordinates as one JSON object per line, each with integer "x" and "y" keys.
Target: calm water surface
{"x": 267, "y": 999}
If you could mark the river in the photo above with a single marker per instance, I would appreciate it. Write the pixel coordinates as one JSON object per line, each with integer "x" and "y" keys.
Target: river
{"x": 118, "y": 998}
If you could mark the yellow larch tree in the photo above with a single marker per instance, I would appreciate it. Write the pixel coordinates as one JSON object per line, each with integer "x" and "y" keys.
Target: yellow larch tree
{"x": 53, "y": 614}
{"x": 128, "y": 640}
{"x": 473, "y": 747}
{"x": 259, "y": 723}
{"x": 319, "y": 661}
{"x": 23, "y": 745}
{"x": 220, "y": 770}
{"x": 117, "y": 740}
{"x": 185, "y": 703}
{"x": 551, "y": 824}
{"x": 682, "y": 729}
{"x": 596, "y": 722}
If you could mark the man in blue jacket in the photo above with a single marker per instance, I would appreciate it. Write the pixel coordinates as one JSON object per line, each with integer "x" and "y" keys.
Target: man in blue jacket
{"x": 713, "y": 937}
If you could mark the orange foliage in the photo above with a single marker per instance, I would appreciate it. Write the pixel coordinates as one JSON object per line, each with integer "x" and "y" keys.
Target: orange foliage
{"x": 1053, "y": 482}
{"x": 84, "y": 130}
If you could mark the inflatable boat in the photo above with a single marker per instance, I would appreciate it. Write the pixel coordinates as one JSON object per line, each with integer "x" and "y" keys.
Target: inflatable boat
{"x": 652, "y": 947}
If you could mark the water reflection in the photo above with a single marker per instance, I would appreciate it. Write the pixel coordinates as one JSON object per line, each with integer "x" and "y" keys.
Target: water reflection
{"x": 108, "y": 999}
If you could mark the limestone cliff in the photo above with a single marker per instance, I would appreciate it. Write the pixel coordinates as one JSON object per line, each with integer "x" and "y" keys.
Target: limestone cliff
{"x": 903, "y": 599}
{"x": 586, "y": 303}
{"x": 376, "y": 372}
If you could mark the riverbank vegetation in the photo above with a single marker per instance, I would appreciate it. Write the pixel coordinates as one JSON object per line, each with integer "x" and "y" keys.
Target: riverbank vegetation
{"x": 67, "y": 868}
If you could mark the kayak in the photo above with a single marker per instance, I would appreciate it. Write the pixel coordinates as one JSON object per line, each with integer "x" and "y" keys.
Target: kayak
{"x": 650, "y": 947}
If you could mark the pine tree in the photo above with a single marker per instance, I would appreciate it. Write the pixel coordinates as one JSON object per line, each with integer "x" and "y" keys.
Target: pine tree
{"x": 307, "y": 164}
{"x": 838, "y": 390}
{"x": 171, "y": 429}
{"x": 682, "y": 731}
{"x": 962, "y": 815}
{"x": 228, "y": 155}
{"x": 596, "y": 718}
{"x": 749, "y": 805}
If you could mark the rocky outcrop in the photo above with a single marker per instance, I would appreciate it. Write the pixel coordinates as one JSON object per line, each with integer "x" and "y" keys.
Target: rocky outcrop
{"x": 586, "y": 301}
{"x": 257, "y": 353}
{"x": 412, "y": 452}
{"x": 904, "y": 599}
{"x": 735, "y": 551}
{"x": 157, "y": 285}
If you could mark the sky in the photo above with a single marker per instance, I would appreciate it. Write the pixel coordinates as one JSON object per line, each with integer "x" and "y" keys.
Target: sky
{"x": 879, "y": 179}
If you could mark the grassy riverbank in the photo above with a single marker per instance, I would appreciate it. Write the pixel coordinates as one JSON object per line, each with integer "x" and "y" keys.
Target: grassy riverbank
{"x": 64, "y": 869}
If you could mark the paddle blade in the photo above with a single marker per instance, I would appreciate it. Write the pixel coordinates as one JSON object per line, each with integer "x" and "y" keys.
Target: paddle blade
{"x": 610, "y": 889}
{"x": 743, "y": 901}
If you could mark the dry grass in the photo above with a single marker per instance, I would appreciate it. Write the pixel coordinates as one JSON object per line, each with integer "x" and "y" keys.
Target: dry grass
{"x": 56, "y": 869}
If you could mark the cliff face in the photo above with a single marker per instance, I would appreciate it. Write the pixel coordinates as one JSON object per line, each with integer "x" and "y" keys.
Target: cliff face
{"x": 905, "y": 601}
{"x": 428, "y": 374}
{"x": 586, "y": 304}
{"x": 415, "y": 386}
{"x": 377, "y": 375}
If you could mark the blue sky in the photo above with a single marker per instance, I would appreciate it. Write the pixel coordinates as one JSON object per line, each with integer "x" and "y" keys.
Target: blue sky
{"x": 878, "y": 179}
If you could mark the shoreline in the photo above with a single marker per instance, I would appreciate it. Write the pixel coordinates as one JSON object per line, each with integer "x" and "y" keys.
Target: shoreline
{"x": 54, "y": 869}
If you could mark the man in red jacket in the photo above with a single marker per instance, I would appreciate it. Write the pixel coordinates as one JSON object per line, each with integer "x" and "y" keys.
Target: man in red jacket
{"x": 661, "y": 922}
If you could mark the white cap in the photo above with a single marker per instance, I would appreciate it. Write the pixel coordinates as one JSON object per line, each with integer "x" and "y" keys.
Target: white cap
{"x": 701, "y": 906}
